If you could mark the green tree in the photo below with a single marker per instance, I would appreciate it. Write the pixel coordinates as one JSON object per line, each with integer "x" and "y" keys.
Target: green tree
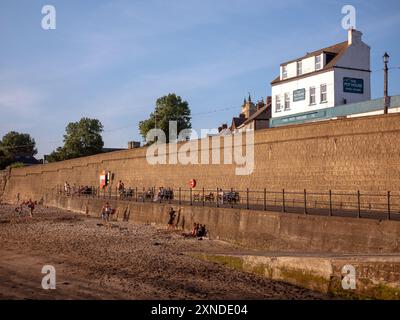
{"x": 82, "y": 138}
{"x": 5, "y": 159}
{"x": 15, "y": 144}
{"x": 168, "y": 108}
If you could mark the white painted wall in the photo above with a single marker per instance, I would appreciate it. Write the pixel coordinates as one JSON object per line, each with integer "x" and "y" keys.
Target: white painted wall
{"x": 303, "y": 106}
{"x": 340, "y": 95}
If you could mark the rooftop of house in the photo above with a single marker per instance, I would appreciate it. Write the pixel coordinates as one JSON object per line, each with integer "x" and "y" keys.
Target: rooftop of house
{"x": 260, "y": 114}
{"x": 334, "y": 52}
{"x": 26, "y": 160}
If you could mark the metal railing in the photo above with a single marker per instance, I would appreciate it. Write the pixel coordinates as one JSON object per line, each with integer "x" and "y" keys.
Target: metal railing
{"x": 344, "y": 204}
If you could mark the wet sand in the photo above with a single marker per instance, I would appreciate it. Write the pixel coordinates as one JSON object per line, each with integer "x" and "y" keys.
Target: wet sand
{"x": 125, "y": 261}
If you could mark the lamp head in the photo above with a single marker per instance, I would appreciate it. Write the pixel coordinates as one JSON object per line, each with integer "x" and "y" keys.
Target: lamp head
{"x": 386, "y": 58}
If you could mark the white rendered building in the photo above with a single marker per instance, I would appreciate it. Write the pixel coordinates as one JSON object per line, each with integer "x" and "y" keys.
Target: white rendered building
{"x": 332, "y": 76}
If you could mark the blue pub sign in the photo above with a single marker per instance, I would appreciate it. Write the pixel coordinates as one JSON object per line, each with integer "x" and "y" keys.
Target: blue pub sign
{"x": 299, "y": 95}
{"x": 353, "y": 85}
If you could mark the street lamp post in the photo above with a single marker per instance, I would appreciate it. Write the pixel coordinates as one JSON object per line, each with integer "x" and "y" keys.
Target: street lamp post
{"x": 386, "y": 77}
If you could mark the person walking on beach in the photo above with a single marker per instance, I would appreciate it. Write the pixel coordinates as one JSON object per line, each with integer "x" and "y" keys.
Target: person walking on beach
{"x": 31, "y": 206}
{"x": 171, "y": 214}
{"x": 106, "y": 212}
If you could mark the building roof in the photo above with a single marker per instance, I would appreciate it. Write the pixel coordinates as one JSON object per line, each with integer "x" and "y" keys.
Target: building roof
{"x": 256, "y": 115}
{"x": 26, "y": 160}
{"x": 338, "y": 50}
{"x": 237, "y": 121}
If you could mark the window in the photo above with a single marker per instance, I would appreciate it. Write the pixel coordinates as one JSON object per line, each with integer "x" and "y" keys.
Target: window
{"x": 312, "y": 96}
{"x": 318, "y": 64}
{"x": 277, "y": 103}
{"x": 324, "y": 97}
{"x": 299, "y": 68}
{"x": 287, "y": 101}
{"x": 284, "y": 72}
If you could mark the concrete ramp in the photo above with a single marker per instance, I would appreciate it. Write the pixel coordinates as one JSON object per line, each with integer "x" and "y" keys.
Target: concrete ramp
{"x": 376, "y": 277}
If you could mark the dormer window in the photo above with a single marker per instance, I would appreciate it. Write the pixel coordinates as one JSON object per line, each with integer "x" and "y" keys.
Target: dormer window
{"x": 299, "y": 68}
{"x": 284, "y": 72}
{"x": 318, "y": 64}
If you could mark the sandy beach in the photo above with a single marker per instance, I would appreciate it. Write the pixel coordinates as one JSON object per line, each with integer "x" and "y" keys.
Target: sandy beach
{"x": 125, "y": 261}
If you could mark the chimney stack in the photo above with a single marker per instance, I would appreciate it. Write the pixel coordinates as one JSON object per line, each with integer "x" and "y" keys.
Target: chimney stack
{"x": 354, "y": 37}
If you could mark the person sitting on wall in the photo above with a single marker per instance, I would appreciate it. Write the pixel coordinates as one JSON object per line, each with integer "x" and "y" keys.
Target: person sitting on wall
{"x": 171, "y": 218}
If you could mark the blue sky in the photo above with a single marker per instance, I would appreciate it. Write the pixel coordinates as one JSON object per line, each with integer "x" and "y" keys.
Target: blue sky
{"x": 111, "y": 60}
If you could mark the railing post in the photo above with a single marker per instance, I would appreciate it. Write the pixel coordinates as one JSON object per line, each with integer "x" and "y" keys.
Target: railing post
{"x": 180, "y": 190}
{"x": 217, "y": 198}
{"x": 136, "y": 195}
{"x": 359, "y": 203}
{"x": 330, "y": 203}
{"x": 305, "y": 201}
{"x": 203, "y": 197}
{"x": 388, "y": 203}
{"x": 191, "y": 196}
{"x": 283, "y": 201}
{"x": 247, "y": 198}
{"x": 231, "y": 198}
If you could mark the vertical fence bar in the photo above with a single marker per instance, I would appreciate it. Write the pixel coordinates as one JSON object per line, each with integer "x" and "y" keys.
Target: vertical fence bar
{"x": 203, "y": 197}
{"x": 247, "y": 198}
{"x": 217, "y": 198}
{"x": 359, "y": 203}
{"x": 180, "y": 190}
{"x": 136, "y": 195}
{"x": 388, "y": 204}
{"x": 283, "y": 201}
{"x": 305, "y": 201}
{"x": 191, "y": 196}
{"x": 330, "y": 203}
{"x": 231, "y": 199}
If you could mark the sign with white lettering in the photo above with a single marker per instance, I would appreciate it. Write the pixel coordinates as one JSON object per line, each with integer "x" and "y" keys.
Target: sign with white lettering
{"x": 353, "y": 85}
{"x": 299, "y": 95}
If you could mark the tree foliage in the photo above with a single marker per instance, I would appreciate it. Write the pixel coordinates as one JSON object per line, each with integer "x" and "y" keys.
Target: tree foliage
{"x": 82, "y": 138}
{"x": 168, "y": 108}
{"x": 15, "y": 144}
